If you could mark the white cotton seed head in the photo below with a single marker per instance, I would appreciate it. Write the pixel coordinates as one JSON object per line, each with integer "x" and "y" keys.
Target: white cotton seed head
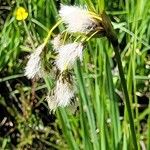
{"x": 33, "y": 66}
{"x": 62, "y": 96}
{"x": 77, "y": 19}
{"x": 64, "y": 93}
{"x": 67, "y": 55}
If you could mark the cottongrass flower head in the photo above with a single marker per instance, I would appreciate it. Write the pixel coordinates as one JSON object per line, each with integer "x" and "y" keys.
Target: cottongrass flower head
{"x": 77, "y": 19}
{"x": 67, "y": 55}
{"x": 63, "y": 94}
{"x": 33, "y": 66}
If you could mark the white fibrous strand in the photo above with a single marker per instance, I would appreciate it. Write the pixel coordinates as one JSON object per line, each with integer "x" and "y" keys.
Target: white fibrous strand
{"x": 56, "y": 42}
{"x": 62, "y": 96}
{"x": 67, "y": 55}
{"x": 33, "y": 66}
{"x": 77, "y": 19}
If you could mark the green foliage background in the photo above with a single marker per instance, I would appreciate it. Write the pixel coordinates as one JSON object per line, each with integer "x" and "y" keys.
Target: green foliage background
{"x": 99, "y": 120}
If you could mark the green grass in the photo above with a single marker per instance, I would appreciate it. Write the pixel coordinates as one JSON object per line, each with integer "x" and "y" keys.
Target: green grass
{"x": 99, "y": 122}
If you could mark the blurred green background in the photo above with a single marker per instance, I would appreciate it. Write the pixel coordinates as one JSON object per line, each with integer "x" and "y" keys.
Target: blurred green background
{"x": 98, "y": 120}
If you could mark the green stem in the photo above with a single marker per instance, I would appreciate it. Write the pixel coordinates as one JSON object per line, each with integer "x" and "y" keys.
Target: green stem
{"x": 124, "y": 87}
{"x": 112, "y": 37}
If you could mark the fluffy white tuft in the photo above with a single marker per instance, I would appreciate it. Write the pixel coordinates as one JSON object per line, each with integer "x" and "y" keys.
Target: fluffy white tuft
{"x": 56, "y": 42}
{"x": 63, "y": 94}
{"x": 68, "y": 54}
{"x": 76, "y": 19}
{"x": 33, "y": 66}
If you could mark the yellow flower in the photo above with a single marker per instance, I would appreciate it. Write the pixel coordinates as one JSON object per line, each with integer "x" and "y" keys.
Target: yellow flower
{"x": 21, "y": 14}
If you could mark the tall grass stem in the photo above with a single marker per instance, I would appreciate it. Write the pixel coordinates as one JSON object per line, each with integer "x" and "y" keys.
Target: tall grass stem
{"x": 124, "y": 87}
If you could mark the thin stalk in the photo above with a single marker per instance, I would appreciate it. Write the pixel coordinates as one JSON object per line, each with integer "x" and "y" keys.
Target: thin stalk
{"x": 67, "y": 129}
{"x": 51, "y": 30}
{"x": 114, "y": 105}
{"x": 112, "y": 37}
{"x": 124, "y": 87}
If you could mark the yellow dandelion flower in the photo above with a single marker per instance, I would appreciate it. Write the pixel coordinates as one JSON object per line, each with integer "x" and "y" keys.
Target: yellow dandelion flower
{"x": 21, "y": 14}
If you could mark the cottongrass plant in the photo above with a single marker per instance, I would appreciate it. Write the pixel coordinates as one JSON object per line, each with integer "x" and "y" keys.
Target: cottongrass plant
{"x": 80, "y": 20}
{"x": 77, "y": 20}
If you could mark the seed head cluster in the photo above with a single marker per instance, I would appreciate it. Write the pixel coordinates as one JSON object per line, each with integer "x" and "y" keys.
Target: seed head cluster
{"x": 77, "y": 20}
